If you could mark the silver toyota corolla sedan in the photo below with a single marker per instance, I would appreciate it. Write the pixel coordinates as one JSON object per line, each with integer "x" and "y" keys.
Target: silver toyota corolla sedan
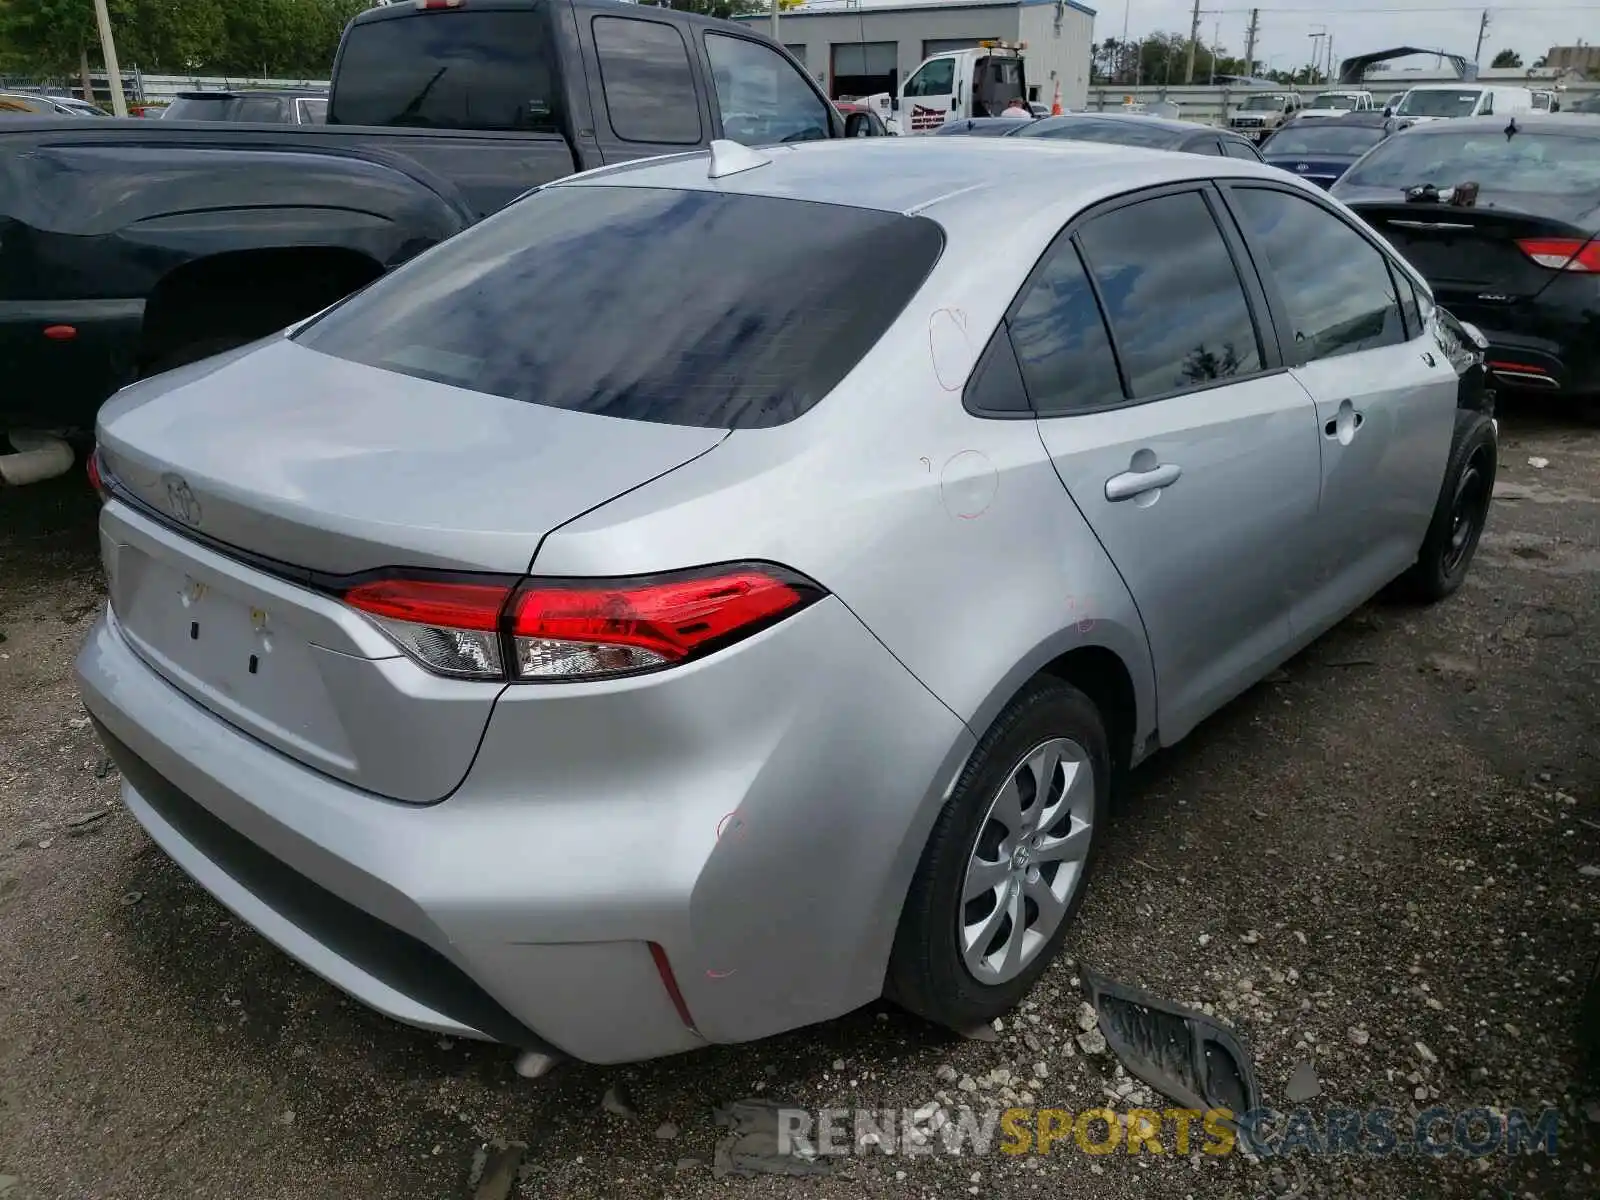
{"x": 720, "y": 590}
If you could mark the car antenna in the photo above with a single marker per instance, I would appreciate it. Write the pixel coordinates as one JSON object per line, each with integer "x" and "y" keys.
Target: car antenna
{"x": 729, "y": 158}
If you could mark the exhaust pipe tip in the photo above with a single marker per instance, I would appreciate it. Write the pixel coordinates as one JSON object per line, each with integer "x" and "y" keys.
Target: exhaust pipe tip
{"x": 37, "y": 456}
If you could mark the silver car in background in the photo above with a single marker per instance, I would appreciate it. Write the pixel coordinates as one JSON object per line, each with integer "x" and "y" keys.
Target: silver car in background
{"x": 718, "y": 590}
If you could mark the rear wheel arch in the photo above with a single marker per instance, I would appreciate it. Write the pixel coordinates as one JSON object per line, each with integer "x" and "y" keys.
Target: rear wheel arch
{"x": 211, "y": 304}
{"x": 1101, "y": 675}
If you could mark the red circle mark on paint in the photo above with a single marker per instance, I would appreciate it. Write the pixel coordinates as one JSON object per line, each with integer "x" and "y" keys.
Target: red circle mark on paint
{"x": 60, "y": 333}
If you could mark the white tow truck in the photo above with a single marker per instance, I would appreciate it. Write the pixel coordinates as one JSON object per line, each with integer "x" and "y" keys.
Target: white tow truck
{"x": 957, "y": 84}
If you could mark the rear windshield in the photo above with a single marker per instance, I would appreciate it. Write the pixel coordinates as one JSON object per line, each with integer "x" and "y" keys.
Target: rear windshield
{"x": 226, "y": 107}
{"x": 987, "y": 127}
{"x": 1349, "y": 140}
{"x": 680, "y": 307}
{"x": 446, "y": 69}
{"x": 1116, "y": 131}
{"x": 1444, "y": 102}
{"x": 1334, "y": 100}
{"x": 1552, "y": 163}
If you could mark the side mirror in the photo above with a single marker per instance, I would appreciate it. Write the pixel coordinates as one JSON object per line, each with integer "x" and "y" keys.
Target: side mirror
{"x": 1388, "y": 111}
{"x": 858, "y": 124}
{"x": 894, "y": 103}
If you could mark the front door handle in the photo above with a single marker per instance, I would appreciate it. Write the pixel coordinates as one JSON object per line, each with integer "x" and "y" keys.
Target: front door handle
{"x": 1343, "y": 425}
{"x": 1136, "y": 483}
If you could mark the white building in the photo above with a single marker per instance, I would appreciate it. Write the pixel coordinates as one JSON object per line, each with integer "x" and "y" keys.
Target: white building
{"x": 860, "y": 48}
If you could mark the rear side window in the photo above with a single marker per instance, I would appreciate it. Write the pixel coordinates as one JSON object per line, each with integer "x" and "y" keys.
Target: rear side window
{"x": 644, "y": 67}
{"x": 188, "y": 108}
{"x": 447, "y": 69}
{"x": 1060, "y": 338}
{"x": 1335, "y": 284}
{"x": 681, "y": 307}
{"x": 313, "y": 112}
{"x": 1234, "y": 148}
{"x": 1172, "y": 294}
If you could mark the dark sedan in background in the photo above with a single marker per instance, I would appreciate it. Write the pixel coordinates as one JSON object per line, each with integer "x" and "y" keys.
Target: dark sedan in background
{"x": 1516, "y": 251}
{"x": 1122, "y": 129}
{"x": 1324, "y": 149}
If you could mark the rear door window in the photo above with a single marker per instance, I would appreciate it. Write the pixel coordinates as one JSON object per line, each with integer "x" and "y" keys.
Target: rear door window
{"x": 760, "y": 95}
{"x": 1234, "y": 148}
{"x": 717, "y": 310}
{"x": 1172, "y": 294}
{"x": 649, "y": 85}
{"x": 447, "y": 69}
{"x": 1335, "y": 284}
{"x": 1061, "y": 340}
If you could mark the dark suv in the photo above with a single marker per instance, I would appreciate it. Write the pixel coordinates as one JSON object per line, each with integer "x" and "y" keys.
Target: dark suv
{"x": 255, "y": 106}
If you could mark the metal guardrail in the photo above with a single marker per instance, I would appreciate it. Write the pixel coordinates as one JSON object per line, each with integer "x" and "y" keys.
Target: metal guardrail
{"x": 1210, "y": 105}
{"x": 139, "y": 88}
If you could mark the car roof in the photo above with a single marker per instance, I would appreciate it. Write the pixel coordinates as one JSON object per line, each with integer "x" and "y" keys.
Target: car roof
{"x": 1176, "y": 128}
{"x": 970, "y": 183}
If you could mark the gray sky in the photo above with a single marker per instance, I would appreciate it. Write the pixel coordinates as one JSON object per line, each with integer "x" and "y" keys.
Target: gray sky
{"x": 1359, "y": 26}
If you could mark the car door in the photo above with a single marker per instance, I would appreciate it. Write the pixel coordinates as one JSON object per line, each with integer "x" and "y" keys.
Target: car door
{"x": 647, "y": 99}
{"x": 1385, "y": 397}
{"x": 929, "y": 98}
{"x": 1186, "y": 447}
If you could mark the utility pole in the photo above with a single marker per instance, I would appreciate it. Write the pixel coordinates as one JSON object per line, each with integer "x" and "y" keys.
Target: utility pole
{"x": 102, "y": 18}
{"x": 1194, "y": 41}
{"x": 1216, "y": 41}
{"x": 1330, "y": 81}
{"x": 1483, "y": 28}
{"x": 1250, "y": 42}
{"x": 1122, "y": 46}
{"x": 774, "y": 29}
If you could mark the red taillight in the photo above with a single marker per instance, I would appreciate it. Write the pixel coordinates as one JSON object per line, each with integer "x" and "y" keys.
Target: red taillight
{"x": 60, "y": 333}
{"x": 96, "y": 473}
{"x": 1563, "y": 254}
{"x": 449, "y": 627}
{"x": 575, "y": 629}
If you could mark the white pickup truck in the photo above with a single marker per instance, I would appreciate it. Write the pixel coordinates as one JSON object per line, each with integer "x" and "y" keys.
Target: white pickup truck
{"x": 976, "y": 82}
{"x": 1337, "y": 102}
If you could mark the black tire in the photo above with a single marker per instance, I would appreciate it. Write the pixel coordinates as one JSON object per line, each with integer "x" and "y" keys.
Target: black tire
{"x": 1460, "y": 514}
{"x": 926, "y": 971}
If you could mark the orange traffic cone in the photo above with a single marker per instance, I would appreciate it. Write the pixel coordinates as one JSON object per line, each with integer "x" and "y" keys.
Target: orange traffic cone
{"x": 1055, "y": 105}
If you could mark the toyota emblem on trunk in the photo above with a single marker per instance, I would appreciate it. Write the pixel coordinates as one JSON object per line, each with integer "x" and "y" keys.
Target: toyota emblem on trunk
{"x": 181, "y": 500}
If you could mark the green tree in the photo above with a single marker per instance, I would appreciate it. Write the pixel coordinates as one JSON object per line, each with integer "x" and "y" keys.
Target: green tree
{"x": 1507, "y": 58}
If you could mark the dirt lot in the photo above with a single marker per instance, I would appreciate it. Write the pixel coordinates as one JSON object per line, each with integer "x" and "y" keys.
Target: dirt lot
{"x": 1387, "y": 841}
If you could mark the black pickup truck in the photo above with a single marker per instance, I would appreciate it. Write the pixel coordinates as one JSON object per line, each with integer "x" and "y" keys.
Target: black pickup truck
{"x": 129, "y": 247}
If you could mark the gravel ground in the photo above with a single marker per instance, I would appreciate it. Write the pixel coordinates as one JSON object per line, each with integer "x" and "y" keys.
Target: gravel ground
{"x": 1381, "y": 846}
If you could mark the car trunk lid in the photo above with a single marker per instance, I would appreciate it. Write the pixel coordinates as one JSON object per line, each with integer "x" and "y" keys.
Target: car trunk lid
{"x": 1473, "y": 252}
{"x": 261, "y": 481}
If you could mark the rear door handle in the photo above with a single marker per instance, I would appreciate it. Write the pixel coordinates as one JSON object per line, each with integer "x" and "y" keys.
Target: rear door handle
{"x": 1136, "y": 483}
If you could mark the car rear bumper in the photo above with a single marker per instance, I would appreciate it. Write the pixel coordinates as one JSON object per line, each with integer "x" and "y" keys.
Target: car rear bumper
{"x": 1549, "y": 344}
{"x": 757, "y": 816}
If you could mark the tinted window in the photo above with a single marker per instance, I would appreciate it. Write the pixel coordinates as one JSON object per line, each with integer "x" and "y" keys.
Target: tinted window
{"x": 190, "y": 108}
{"x": 644, "y": 66}
{"x": 1311, "y": 139}
{"x": 1207, "y": 145}
{"x": 1117, "y": 131}
{"x": 446, "y": 70}
{"x": 685, "y": 307}
{"x": 982, "y": 127}
{"x": 1334, "y": 282}
{"x": 313, "y": 112}
{"x": 1234, "y": 148}
{"x": 938, "y": 78}
{"x": 1061, "y": 339}
{"x": 1552, "y": 162}
{"x": 259, "y": 109}
{"x": 1172, "y": 294}
{"x": 1439, "y": 102}
{"x": 762, "y": 98}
